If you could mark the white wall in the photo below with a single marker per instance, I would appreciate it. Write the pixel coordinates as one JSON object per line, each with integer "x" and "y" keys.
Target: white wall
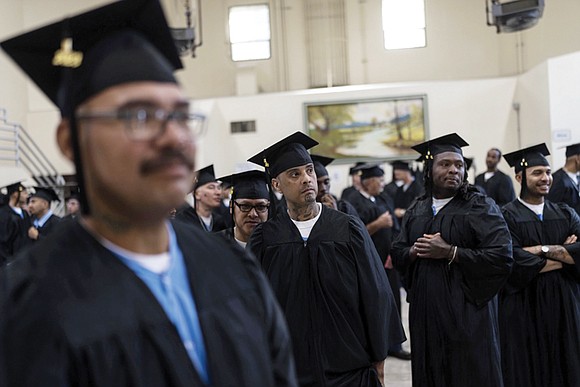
{"x": 564, "y": 105}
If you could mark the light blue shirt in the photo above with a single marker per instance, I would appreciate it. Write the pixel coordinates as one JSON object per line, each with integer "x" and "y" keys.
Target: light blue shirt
{"x": 172, "y": 290}
{"x": 40, "y": 222}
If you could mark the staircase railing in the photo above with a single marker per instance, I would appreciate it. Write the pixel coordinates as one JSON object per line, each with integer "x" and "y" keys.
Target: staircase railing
{"x": 18, "y": 148}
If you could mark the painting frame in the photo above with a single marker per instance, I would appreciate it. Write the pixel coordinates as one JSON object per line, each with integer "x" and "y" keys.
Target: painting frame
{"x": 373, "y": 129}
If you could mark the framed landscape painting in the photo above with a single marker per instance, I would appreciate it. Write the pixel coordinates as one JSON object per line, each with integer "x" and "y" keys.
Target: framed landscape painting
{"x": 382, "y": 129}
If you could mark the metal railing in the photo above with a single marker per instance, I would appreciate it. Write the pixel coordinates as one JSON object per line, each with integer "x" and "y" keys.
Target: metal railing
{"x": 17, "y": 148}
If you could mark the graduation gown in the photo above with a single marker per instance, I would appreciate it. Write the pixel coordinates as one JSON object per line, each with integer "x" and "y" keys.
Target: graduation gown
{"x": 188, "y": 214}
{"x": 564, "y": 190}
{"x": 13, "y": 233}
{"x": 539, "y": 313}
{"x": 75, "y": 315}
{"x": 499, "y": 187}
{"x": 335, "y": 295}
{"x": 48, "y": 227}
{"x": 453, "y": 308}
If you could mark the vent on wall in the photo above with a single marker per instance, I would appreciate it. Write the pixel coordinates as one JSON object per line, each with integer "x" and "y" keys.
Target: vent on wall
{"x": 515, "y": 15}
{"x": 327, "y": 50}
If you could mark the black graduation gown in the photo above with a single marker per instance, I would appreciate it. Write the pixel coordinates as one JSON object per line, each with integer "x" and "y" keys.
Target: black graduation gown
{"x": 403, "y": 199}
{"x": 347, "y": 193}
{"x": 453, "y": 308}
{"x": 539, "y": 313}
{"x": 563, "y": 190}
{"x": 75, "y": 315}
{"x": 224, "y": 213}
{"x": 368, "y": 212}
{"x": 335, "y": 295}
{"x": 48, "y": 227}
{"x": 499, "y": 187}
{"x": 13, "y": 233}
{"x": 188, "y": 214}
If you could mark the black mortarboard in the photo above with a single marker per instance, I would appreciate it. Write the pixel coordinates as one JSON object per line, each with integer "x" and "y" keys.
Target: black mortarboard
{"x": 80, "y": 56}
{"x": 248, "y": 185}
{"x": 287, "y": 153}
{"x": 528, "y": 157}
{"x": 468, "y": 162}
{"x": 204, "y": 176}
{"x": 320, "y": 163}
{"x": 45, "y": 193}
{"x": 448, "y": 143}
{"x": 354, "y": 169}
{"x": 573, "y": 150}
{"x": 370, "y": 170}
{"x": 15, "y": 187}
{"x": 400, "y": 165}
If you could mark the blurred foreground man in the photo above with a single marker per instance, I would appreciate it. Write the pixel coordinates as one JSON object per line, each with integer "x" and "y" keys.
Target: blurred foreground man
{"x": 539, "y": 310}
{"x": 124, "y": 297}
{"x": 455, "y": 251}
{"x": 327, "y": 276}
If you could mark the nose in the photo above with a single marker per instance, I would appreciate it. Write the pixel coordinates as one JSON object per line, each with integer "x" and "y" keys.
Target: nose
{"x": 253, "y": 212}
{"x": 175, "y": 135}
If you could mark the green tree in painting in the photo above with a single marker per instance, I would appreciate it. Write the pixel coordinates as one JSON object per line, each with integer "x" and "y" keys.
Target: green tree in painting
{"x": 324, "y": 117}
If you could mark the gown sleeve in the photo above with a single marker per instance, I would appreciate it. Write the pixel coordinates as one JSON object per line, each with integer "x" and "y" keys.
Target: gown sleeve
{"x": 383, "y": 325}
{"x": 487, "y": 265}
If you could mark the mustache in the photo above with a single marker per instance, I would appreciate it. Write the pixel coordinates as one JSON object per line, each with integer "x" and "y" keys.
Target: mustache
{"x": 166, "y": 158}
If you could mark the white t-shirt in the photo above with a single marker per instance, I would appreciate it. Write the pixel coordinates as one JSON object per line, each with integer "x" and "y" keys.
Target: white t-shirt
{"x": 305, "y": 227}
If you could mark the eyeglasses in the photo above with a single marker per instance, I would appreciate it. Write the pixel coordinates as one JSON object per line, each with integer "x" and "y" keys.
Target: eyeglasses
{"x": 261, "y": 208}
{"x": 146, "y": 123}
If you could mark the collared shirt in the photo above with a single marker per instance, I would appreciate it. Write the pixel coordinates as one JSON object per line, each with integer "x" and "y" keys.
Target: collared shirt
{"x": 366, "y": 195}
{"x": 172, "y": 290}
{"x": 40, "y": 222}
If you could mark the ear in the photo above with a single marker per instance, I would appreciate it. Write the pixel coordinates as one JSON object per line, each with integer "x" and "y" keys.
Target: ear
{"x": 519, "y": 177}
{"x": 64, "y": 139}
{"x": 276, "y": 185}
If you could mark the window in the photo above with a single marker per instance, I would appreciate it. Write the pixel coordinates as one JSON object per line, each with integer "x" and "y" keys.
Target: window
{"x": 404, "y": 24}
{"x": 249, "y": 28}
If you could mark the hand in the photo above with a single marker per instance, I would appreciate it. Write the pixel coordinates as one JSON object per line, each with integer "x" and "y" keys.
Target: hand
{"x": 33, "y": 233}
{"x": 571, "y": 239}
{"x": 329, "y": 201}
{"x": 380, "y": 368}
{"x": 431, "y": 246}
{"x": 385, "y": 220}
{"x": 400, "y": 212}
{"x": 536, "y": 250}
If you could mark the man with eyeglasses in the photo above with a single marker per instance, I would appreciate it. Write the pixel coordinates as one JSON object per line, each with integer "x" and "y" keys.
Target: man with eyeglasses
{"x": 249, "y": 204}
{"x": 327, "y": 276}
{"x": 124, "y": 297}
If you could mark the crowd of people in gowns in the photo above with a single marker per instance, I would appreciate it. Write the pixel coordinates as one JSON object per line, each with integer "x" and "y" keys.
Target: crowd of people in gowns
{"x": 285, "y": 284}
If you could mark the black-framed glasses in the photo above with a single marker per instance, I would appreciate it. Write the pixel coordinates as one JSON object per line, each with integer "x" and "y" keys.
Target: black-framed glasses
{"x": 244, "y": 207}
{"x": 147, "y": 123}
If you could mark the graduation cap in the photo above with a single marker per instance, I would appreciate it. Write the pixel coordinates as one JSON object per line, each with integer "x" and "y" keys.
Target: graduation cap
{"x": 15, "y": 187}
{"x": 370, "y": 170}
{"x": 204, "y": 176}
{"x": 248, "y": 185}
{"x": 354, "y": 169}
{"x": 287, "y": 153}
{"x": 320, "y": 163}
{"x": 400, "y": 165}
{"x": 528, "y": 157}
{"x": 573, "y": 150}
{"x": 45, "y": 193}
{"x": 448, "y": 143}
{"x": 78, "y": 57}
{"x": 468, "y": 162}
